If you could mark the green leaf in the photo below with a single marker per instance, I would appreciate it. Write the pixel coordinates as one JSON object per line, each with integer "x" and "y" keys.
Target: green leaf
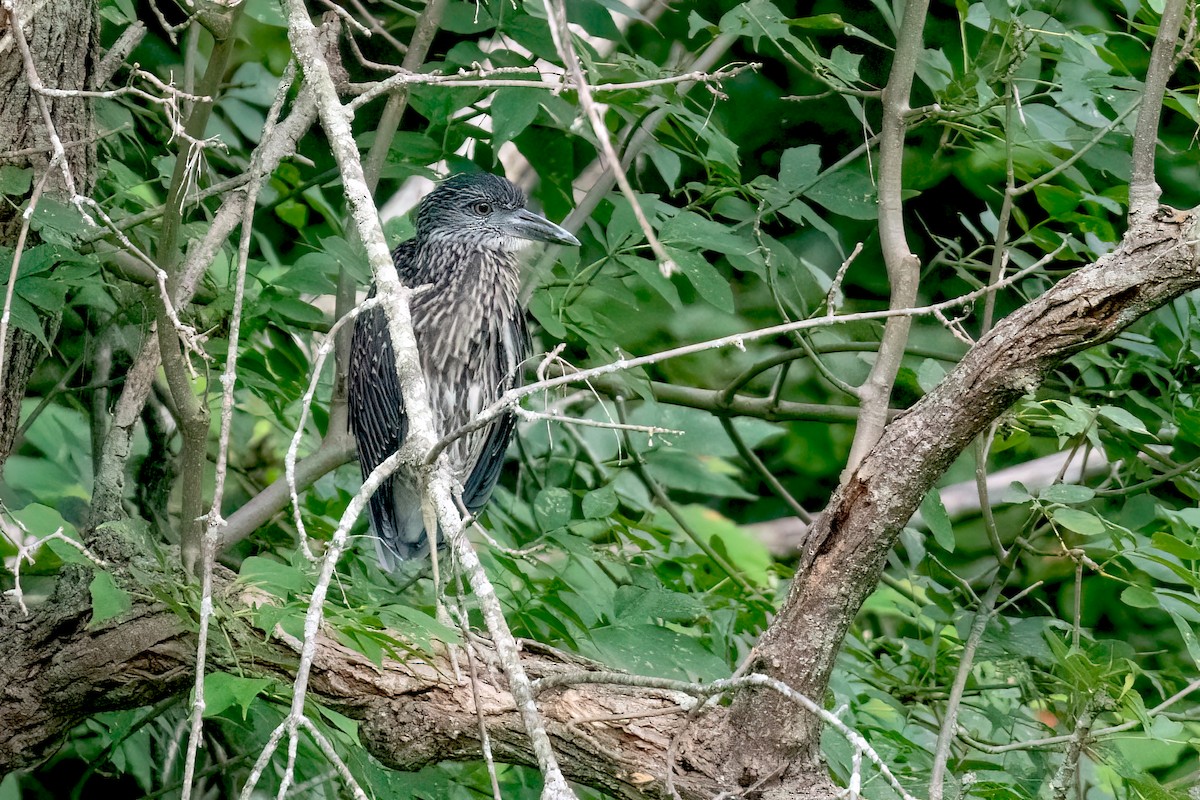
{"x": 844, "y": 64}
{"x": 512, "y": 111}
{"x": 1172, "y": 545}
{"x": 819, "y": 22}
{"x": 667, "y": 162}
{"x": 310, "y": 274}
{"x": 423, "y": 628}
{"x": 25, "y": 317}
{"x": 58, "y": 221}
{"x": 1123, "y": 418}
{"x": 1066, "y": 493}
{"x": 1055, "y": 199}
{"x": 276, "y": 577}
{"x": 296, "y": 309}
{"x": 41, "y": 520}
{"x": 633, "y": 605}
{"x": 654, "y": 650}
{"x": 756, "y": 18}
{"x": 108, "y": 599}
{"x": 707, "y": 279}
{"x": 933, "y": 511}
{"x": 692, "y": 231}
{"x": 684, "y": 471}
{"x": 744, "y": 552}
{"x": 799, "y": 166}
{"x": 15, "y": 180}
{"x": 848, "y": 192}
{"x": 1137, "y": 597}
{"x": 1079, "y": 521}
{"x": 353, "y": 258}
{"x": 43, "y": 293}
{"x": 223, "y": 691}
{"x": 339, "y": 721}
{"x": 552, "y": 508}
{"x": 930, "y": 374}
{"x": 599, "y": 503}
{"x": 294, "y": 213}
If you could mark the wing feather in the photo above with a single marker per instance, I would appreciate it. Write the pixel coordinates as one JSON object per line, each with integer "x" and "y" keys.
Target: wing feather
{"x": 513, "y": 345}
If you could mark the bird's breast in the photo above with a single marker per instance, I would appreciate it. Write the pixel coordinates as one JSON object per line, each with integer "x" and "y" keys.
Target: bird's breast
{"x": 470, "y": 353}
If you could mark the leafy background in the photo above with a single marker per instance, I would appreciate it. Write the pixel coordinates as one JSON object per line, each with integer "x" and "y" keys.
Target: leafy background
{"x": 646, "y": 553}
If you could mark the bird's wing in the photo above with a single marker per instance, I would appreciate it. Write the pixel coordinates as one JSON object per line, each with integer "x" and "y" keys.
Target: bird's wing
{"x": 506, "y": 372}
{"x": 377, "y": 417}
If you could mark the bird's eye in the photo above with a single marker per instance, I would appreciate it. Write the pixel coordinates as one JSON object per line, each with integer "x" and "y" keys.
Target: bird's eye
{"x": 482, "y": 207}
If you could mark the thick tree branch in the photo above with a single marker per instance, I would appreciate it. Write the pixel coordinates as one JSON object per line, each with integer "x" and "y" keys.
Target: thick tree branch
{"x": 55, "y": 670}
{"x": 848, "y": 545}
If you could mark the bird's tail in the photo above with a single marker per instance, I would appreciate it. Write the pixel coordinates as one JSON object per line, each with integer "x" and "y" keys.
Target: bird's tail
{"x": 398, "y": 525}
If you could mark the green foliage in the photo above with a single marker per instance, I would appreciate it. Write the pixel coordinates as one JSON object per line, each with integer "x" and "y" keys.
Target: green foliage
{"x": 641, "y": 551}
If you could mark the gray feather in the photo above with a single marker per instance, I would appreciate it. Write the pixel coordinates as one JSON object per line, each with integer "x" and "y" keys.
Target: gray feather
{"x": 472, "y": 337}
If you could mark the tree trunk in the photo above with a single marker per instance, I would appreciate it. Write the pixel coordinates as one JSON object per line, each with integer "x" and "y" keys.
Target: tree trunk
{"x": 63, "y": 42}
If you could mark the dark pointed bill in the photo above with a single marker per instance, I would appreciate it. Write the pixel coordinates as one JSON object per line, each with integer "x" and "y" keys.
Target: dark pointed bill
{"x": 524, "y": 224}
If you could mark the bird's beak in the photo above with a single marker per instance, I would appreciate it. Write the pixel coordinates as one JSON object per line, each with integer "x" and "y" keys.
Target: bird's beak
{"x": 524, "y": 224}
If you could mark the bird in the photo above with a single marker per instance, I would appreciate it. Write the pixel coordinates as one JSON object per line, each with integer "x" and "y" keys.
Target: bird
{"x": 472, "y": 338}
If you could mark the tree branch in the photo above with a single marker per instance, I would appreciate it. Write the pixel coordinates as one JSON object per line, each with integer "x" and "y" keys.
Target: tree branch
{"x": 903, "y": 268}
{"x": 847, "y": 546}
{"x": 1143, "y": 188}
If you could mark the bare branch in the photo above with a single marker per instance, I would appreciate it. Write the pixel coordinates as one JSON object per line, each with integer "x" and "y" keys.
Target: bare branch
{"x": 125, "y": 44}
{"x": 561, "y": 33}
{"x": 25, "y": 551}
{"x": 214, "y": 521}
{"x": 966, "y": 659}
{"x": 1143, "y": 188}
{"x": 903, "y": 268}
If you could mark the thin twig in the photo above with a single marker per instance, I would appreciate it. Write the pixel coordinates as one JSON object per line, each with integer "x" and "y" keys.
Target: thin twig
{"x": 949, "y": 726}
{"x": 513, "y": 396}
{"x": 539, "y": 78}
{"x": 25, "y": 553}
{"x": 289, "y": 461}
{"x": 560, "y": 32}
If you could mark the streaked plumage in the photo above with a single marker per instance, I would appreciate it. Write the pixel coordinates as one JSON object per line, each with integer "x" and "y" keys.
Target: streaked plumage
{"x": 471, "y": 333}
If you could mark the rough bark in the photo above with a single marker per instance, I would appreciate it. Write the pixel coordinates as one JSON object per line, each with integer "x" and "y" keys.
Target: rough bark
{"x": 63, "y": 44}
{"x": 54, "y": 669}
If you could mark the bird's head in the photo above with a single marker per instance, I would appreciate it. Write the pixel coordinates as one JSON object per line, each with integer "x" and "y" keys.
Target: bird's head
{"x": 484, "y": 210}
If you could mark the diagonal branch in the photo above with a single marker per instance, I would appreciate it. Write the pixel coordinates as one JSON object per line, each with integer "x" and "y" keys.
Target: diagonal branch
{"x": 848, "y": 545}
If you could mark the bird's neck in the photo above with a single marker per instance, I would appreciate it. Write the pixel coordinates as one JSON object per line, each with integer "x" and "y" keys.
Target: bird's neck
{"x": 466, "y": 275}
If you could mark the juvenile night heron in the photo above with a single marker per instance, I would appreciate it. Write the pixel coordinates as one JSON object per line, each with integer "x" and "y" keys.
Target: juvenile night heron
{"x": 471, "y": 334}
